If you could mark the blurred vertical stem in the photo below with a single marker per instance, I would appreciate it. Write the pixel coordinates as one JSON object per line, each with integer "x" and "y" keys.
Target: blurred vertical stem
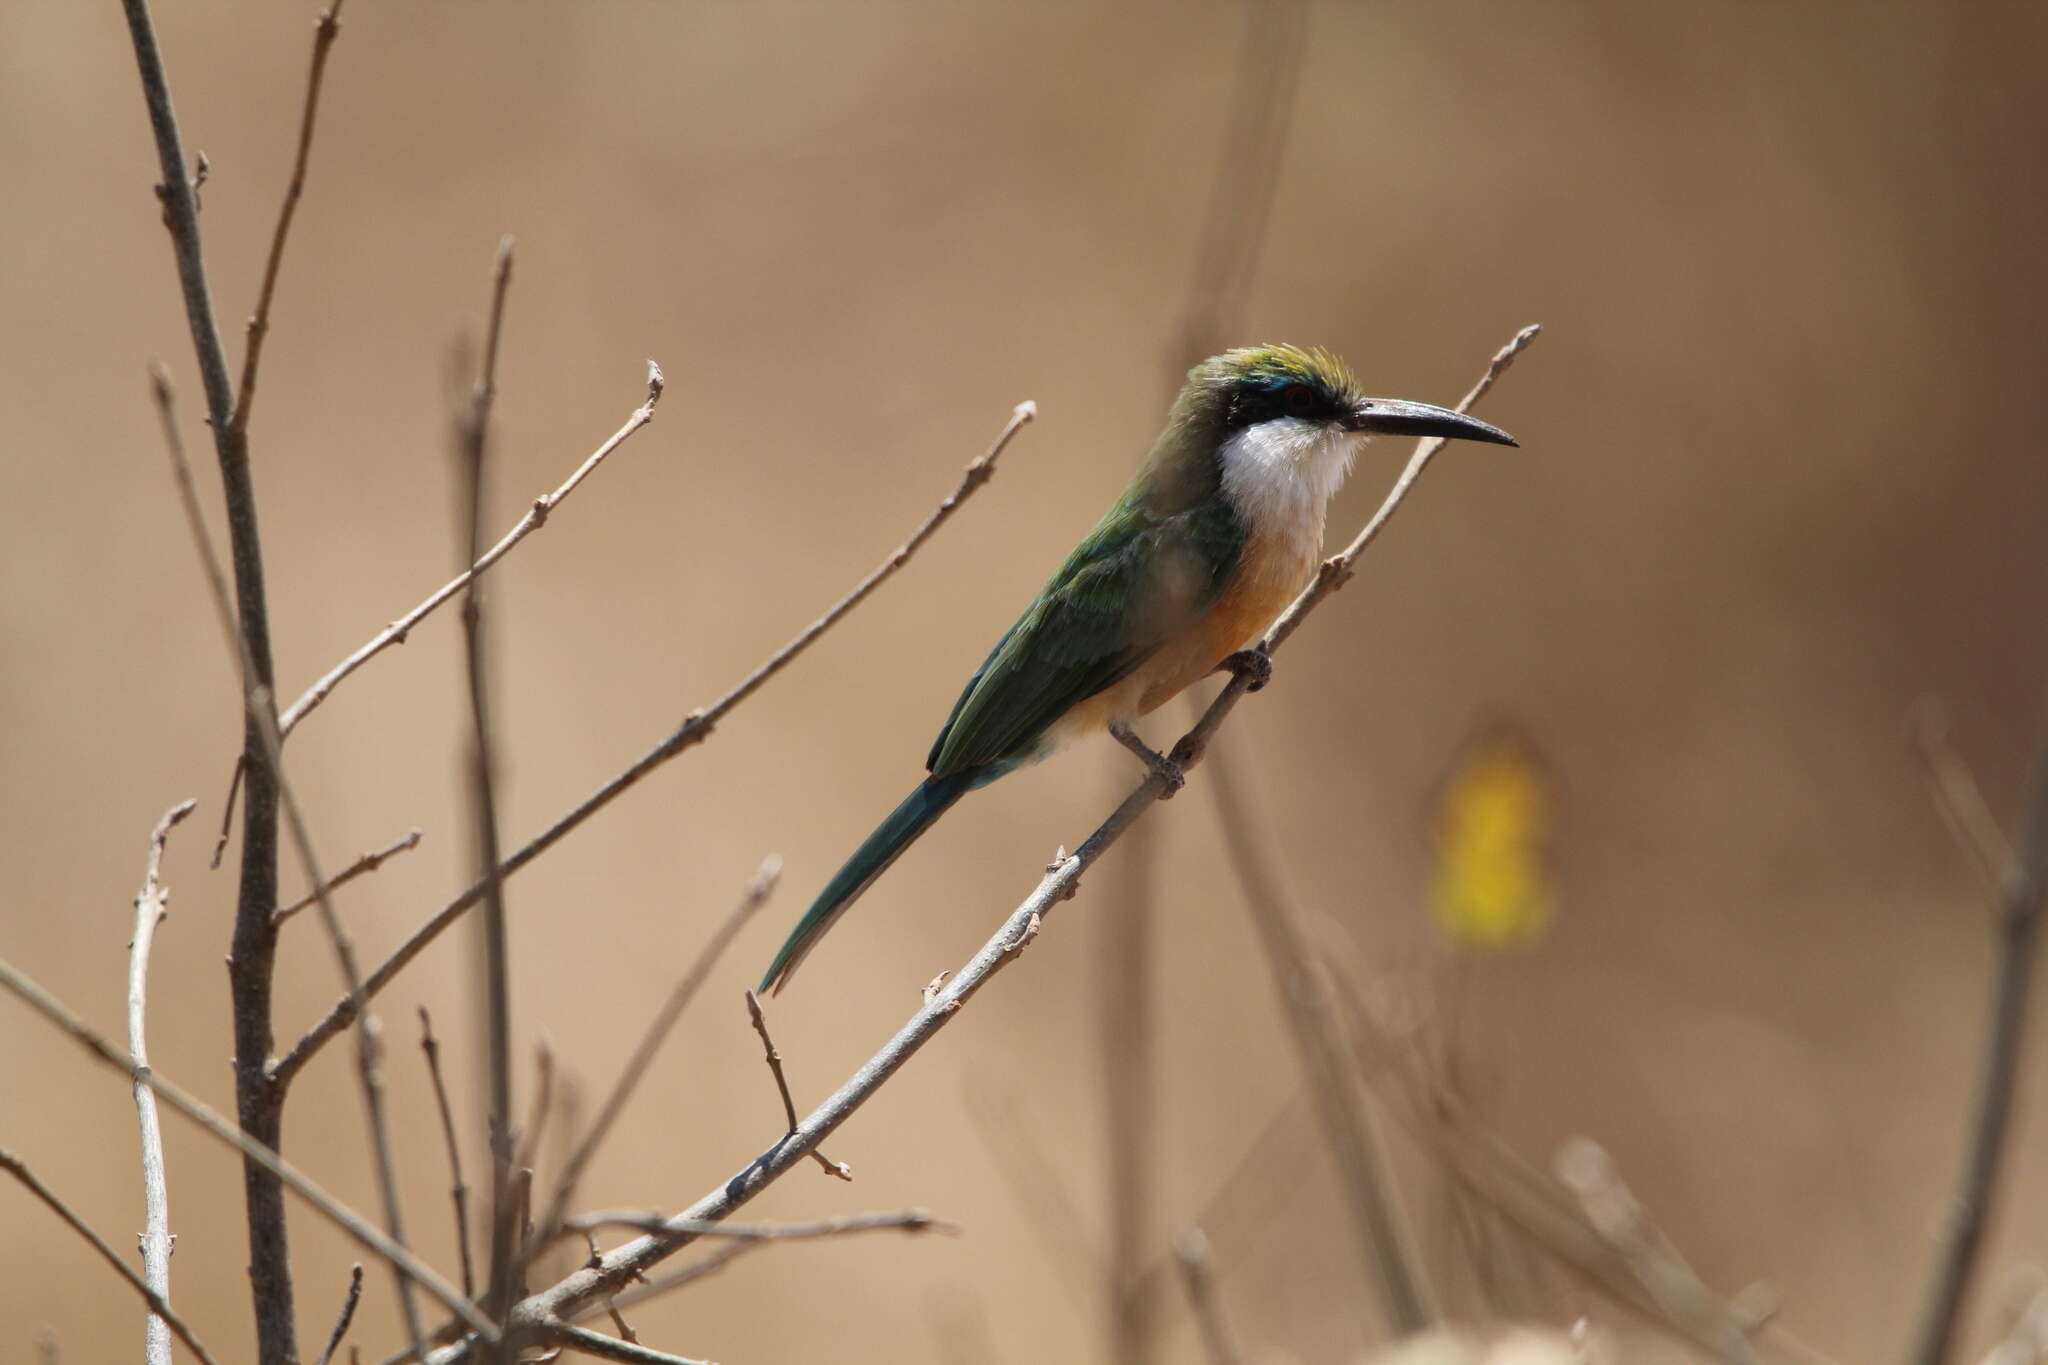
{"x": 1130, "y": 1076}
{"x": 2019, "y": 935}
{"x": 1227, "y": 256}
{"x": 259, "y": 1106}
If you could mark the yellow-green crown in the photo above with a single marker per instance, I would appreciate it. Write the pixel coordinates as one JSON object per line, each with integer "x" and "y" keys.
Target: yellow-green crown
{"x": 1276, "y": 366}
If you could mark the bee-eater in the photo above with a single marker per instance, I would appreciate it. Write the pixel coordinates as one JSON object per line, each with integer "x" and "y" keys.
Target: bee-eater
{"x": 1220, "y": 528}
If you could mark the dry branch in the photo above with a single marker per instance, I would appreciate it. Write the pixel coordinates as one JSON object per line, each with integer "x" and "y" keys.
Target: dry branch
{"x": 1191, "y": 1250}
{"x": 774, "y": 1060}
{"x": 14, "y": 1166}
{"x": 156, "y": 1200}
{"x": 696, "y": 727}
{"x": 535, "y": 1317}
{"x": 348, "y": 1313}
{"x": 364, "y": 863}
{"x": 262, "y": 1156}
{"x": 535, "y": 518}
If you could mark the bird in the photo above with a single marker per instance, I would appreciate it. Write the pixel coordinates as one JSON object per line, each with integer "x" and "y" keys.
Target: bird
{"x": 1220, "y": 528}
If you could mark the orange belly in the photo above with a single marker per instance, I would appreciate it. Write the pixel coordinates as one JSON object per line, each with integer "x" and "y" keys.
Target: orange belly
{"x": 1272, "y": 571}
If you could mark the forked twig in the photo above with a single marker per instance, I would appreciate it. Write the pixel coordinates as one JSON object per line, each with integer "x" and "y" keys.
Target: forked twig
{"x": 367, "y": 1234}
{"x": 694, "y": 730}
{"x": 774, "y": 1060}
{"x": 257, "y": 702}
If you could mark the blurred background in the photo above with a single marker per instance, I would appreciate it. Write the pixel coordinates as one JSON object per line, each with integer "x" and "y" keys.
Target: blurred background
{"x": 1777, "y": 504}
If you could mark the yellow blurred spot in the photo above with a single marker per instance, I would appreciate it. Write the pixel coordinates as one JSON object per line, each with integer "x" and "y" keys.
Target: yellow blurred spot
{"x": 1494, "y": 889}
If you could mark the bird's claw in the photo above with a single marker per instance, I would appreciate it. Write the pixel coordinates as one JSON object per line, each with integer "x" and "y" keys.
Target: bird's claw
{"x": 1255, "y": 664}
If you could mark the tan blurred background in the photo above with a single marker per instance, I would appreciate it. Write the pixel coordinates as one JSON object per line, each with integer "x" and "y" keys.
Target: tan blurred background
{"x": 1780, "y": 487}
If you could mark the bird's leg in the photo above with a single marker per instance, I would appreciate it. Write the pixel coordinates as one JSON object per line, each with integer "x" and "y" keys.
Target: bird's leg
{"x": 1253, "y": 663}
{"x": 1159, "y": 763}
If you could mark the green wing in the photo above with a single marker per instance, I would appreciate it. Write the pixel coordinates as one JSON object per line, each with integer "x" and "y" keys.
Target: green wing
{"x": 1139, "y": 579}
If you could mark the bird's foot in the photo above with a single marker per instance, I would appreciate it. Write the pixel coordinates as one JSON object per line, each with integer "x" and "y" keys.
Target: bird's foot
{"x": 1176, "y": 777}
{"x": 1255, "y": 664}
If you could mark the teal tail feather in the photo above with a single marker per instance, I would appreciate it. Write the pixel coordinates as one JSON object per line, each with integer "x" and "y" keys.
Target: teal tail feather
{"x": 919, "y": 811}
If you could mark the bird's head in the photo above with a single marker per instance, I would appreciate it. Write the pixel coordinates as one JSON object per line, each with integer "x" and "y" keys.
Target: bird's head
{"x": 1306, "y": 390}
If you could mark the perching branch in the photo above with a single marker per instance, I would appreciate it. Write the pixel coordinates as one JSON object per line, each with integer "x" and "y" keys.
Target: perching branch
{"x": 2020, "y": 933}
{"x": 533, "y": 1316}
{"x": 156, "y": 1200}
{"x": 257, "y": 1153}
{"x": 696, "y": 727}
{"x": 597, "y": 1344}
{"x": 535, "y": 518}
{"x": 14, "y": 1166}
{"x": 649, "y": 1220}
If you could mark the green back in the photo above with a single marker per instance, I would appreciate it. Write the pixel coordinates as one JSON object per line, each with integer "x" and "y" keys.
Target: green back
{"x": 1159, "y": 558}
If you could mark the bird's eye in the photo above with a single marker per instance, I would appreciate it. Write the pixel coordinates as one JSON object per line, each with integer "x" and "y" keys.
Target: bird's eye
{"x": 1298, "y": 399}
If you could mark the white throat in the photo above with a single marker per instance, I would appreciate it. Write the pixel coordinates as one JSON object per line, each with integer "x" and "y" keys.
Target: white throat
{"x": 1281, "y": 474}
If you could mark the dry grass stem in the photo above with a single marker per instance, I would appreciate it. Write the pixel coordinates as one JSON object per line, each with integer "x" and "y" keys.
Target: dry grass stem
{"x": 694, "y": 730}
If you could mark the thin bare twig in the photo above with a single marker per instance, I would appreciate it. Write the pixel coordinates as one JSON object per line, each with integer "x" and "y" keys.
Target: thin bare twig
{"x": 1613, "y": 1212}
{"x": 156, "y": 1199}
{"x": 263, "y": 719}
{"x": 325, "y": 30}
{"x": 1301, "y": 979}
{"x": 569, "y": 1296}
{"x": 530, "y": 1133}
{"x": 348, "y": 1313}
{"x": 535, "y": 518}
{"x": 652, "y": 1220}
{"x": 368, "y": 862}
{"x": 679, "y": 998}
{"x": 694, "y": 730}
{"x": 459, "y": 1189}
{"x": 709, "y": 1264}
{"x": 365, "y": 1233}
{"x": 774, "y": 1060}
{"x": 609, "y": 1348}
{"x": 2020, "y": 932}
{"x": 1191, "y": 1250}
{"x": 14, "y": 1166}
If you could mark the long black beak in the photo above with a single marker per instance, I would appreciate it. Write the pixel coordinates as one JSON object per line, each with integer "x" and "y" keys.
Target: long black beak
{"x": 1399, "y": 417}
